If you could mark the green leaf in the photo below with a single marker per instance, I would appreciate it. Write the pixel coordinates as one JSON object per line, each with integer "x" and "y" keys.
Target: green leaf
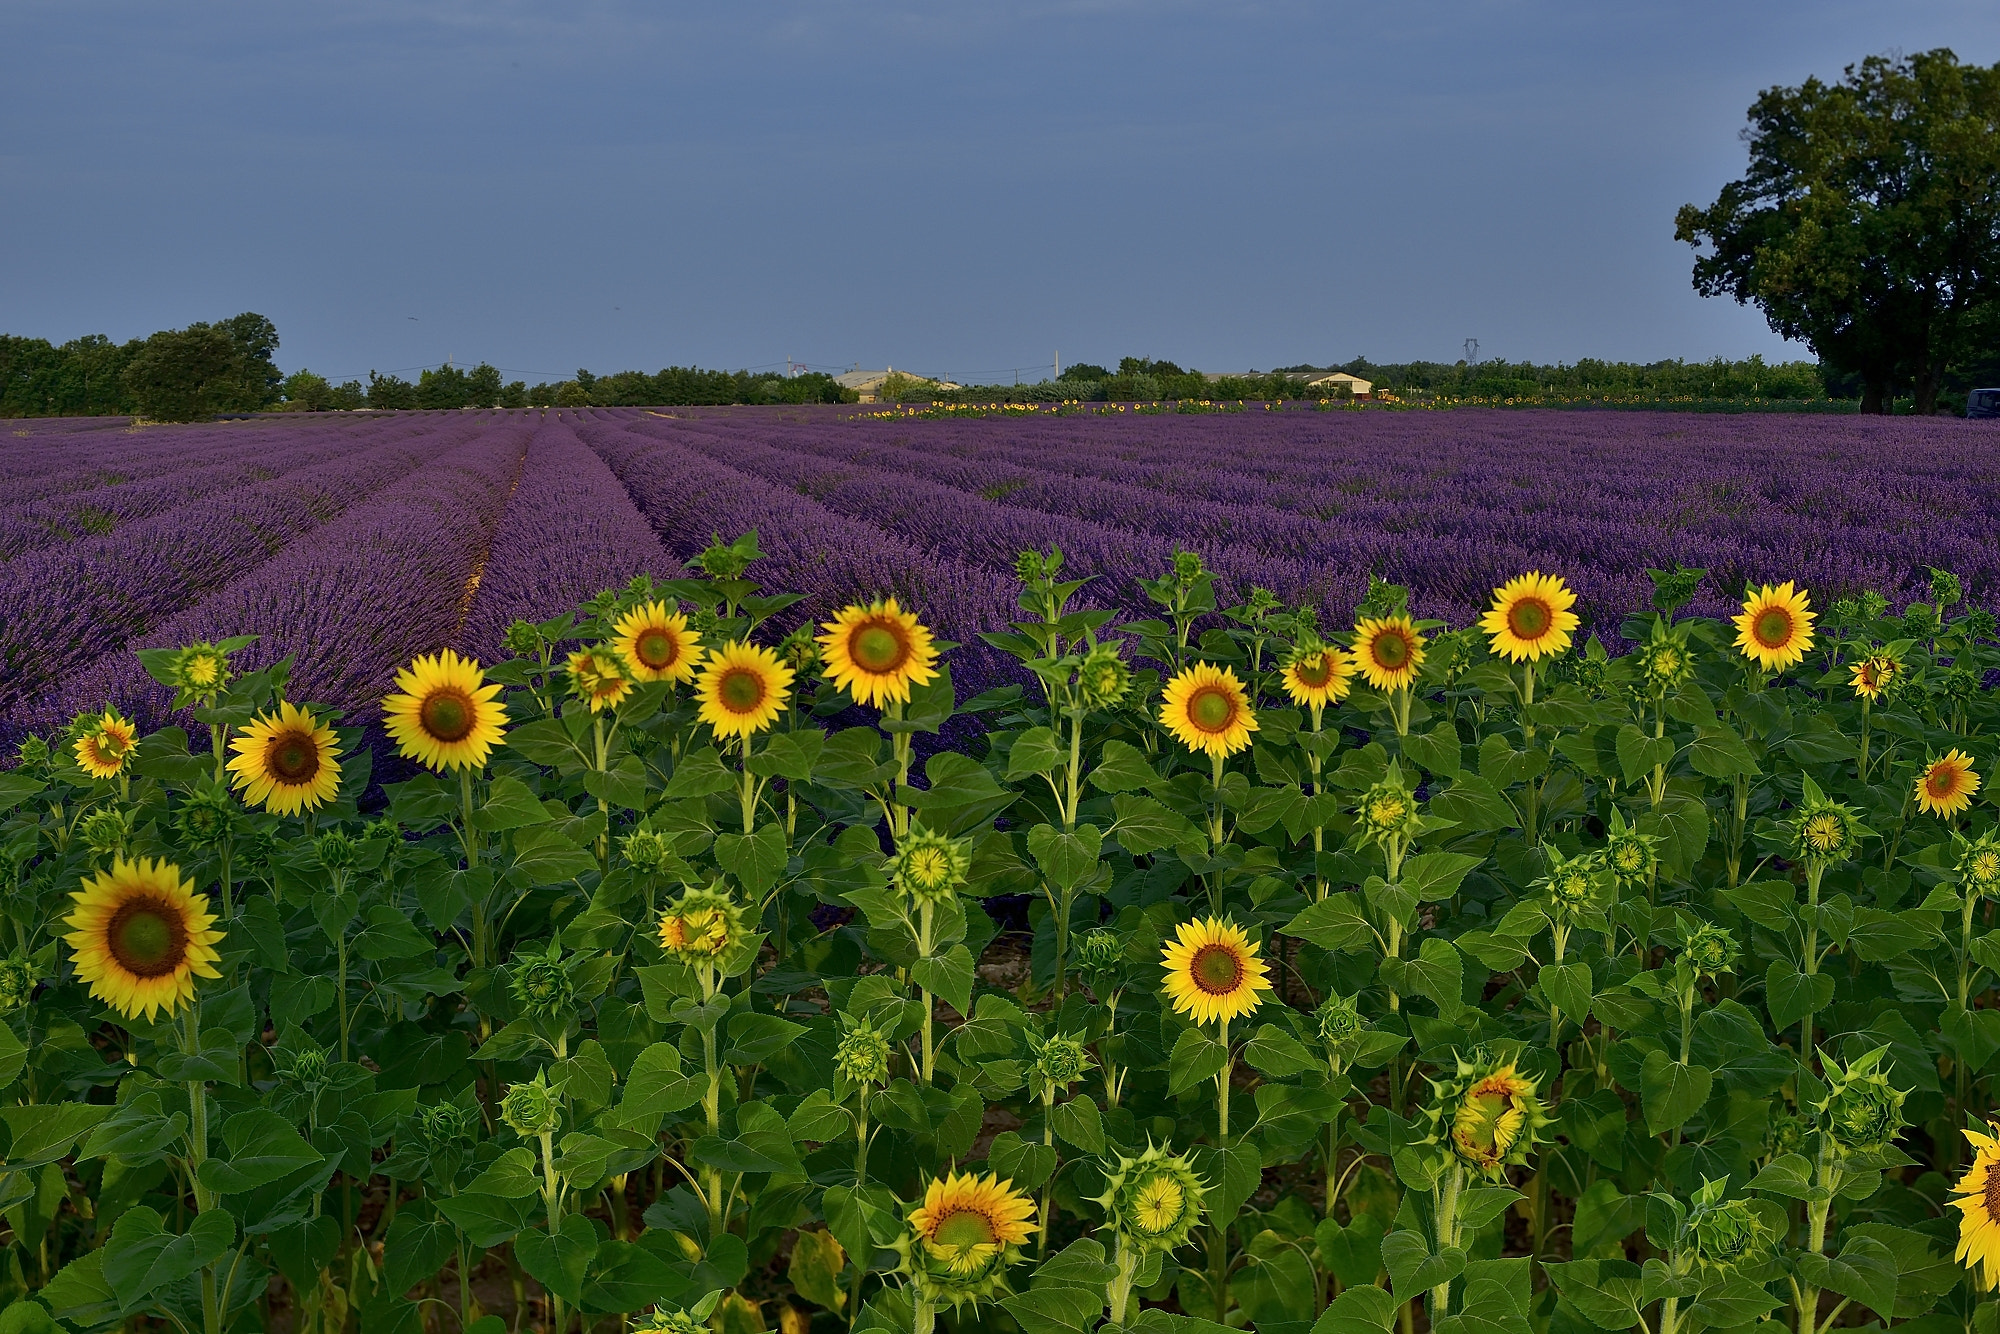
{"x": 1790, "y": 995}
{"x": 1480, "y": 1205}
{"x": 1439, "y": 973}
{"x": 755, "y": 1038}
{"x": 1233, "y": 1175}
{"x": 1056, "y": 1309}
{"x": 1671, "y": 1091}
{"x": 142, "y": 1256}
{"x": 389, "y": 935}
{"x": 1607, "y": 1292}
{"x": 1437, "y": 750}
{"x": 1432, "y": 876}
{"x": 624, "y": 1277}
{"x": 756, "y": 860}
{"x": 138, "y": 1132}
{"x": 263, "y": 1147}
{"x": 1026, "y": 1163}
{"x": 1076, "y": 1122}
{"x": 1144, "y": 825}
{"x": 1568, "y": 985}
{"x": 623, "y": 785}
{"x": 1333, "y": 923}
{"x": 513, "y": 1175}
{"x": 1036, "y": 751}
{"x": 1122, "y": 767}
{"x": 1274, "y": 1052}
{"x": 1414, "y": 1268}
{"x": 79, "y": 1295}
{"x": 1196, "y": 1057}
{"x": 1639, "y": 754}
{"x": 949, "y": 975}
{"x": 701, "y": 773}
{"x": 415, "y": 1249}
{"x": 1361, "y": 1309}
{"x": 489, "y": 1220}
{"x": 1732, "y": 1304}
{"x": 1718, "y": 752}
{"x": 544, "y": 741}
{"x": 1864, "y": 1270}
{"x": 1066, "y": 859}
{"x": 558, "y": 1261}
{"x": 509, "y": 804}
{"x": 818, "y": 1260}
{"x": 1789, "y": 1175}
{"x": 545, "y": 855}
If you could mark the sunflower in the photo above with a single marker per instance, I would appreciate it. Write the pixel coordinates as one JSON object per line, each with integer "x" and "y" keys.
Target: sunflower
{"x": 1154, "y": 1200}
{"x": 966, "y": 1221}
{"x": 701, "y": 924}
{"x": 598, "y": 677}
{"x": 1388, "y": 650}
{"x": 106, "y": 743}
{"x": 1213, "y": 972}
{"x": 140, "y": 936}
{"x": 657, "y": 644}
{"x": 446, "y": 717}
{"x": 742, "y": 689}
{"x": 1872, "y": 676}
{"x": 1979, "y": 1209}
{"x": 289, "y": 761}
{"x": 1207, "y": 709}
{"x": 1530, "y": 618}
{"x": 1491, "y": 1116}
{"x": 1945, "y": 787}
{"x": 1775, "y": 627}
{"x": 877, "y": 652}
{"x": 1318, "y": 676}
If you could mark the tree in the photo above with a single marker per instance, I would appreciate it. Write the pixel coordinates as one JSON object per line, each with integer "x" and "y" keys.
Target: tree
{"x": 307, "y": 392}
{"x": 183, "y": 374}
{"x": 442, "y": 388}
{"x": 1868, "y": 225}
{"x": 390, "y": 391}
{"x": 257, "y": 376}
{"x": 482, "y": 386}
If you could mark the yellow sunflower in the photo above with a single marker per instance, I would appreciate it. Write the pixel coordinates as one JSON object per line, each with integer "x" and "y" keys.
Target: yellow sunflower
{"x": 446, "y": 716}
{"x": 1206, "y": 709}
{"x": 1491, "y": 1117}
{"x": 877, "y": 652}
{"x": 1872, "y": 675}
{"x": 1530, "y": 618}
{"x": 140, "y": 936}
{"x": 106, "y": 744}
{"x": 1945, "y": 786}
{"x": 1388, "y": 650}
{"x": 657, "y": 644}
{"x": 1318, "y": 676}
{"x": 1979, "y": 1209}
{"x": 289, "y": 761}
{"x": 1213, "y": 971}
{"x": 1775, "y": 626}
{"x": 966, "y": 1220}
{"x": 596, "y": 675}
{"x": 742, "y": 689}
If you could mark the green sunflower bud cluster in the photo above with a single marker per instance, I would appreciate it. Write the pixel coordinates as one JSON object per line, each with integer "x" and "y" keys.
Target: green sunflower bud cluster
{"x": 1340, "y": 1024}
{"x": 444, "y": 1124}
{"x": 1786, "y": 1134}
{"x": 1823, "y": 832}
{"x": 309, "y": 1063}
{"x": 1104, "y": 678}
{"x": 862, "y": 1055}
{"x": 1978, "y": 865}
{"x": 1959, "y": 684}
{"x": 1630, "y": 856}
{"x": 335, "y": 850}
{"x": 1153, "y": 1201}
{"x": 1706, "y": 949}
{"x": 647, "y": 851}
{"x": 1574, "y": 885}
{"x": 541, "y": 984}
{"x": 1031, "y": 567}
{"x": 1099, "y": 954}
{"x": 1061, "y": 1059}
{"x": 1188, "y": 568}
{"x": 18, "y": 979}
{"x": 1981, "y": 624}
{"x": 33, "y": 752}
{"x": 1861, "y": 1110}
{"x": 1486, "y": 1113}
{"x": 1726, "y": 1234}
{"x": 670, "y": 1320}
{"x": 800, "y": 651}
{"x": 1664, "y": 663}
{"x": 208, "y": 817}
{"x": 533, "y": 1108}
{"x": 930, "y": 867}
{"x": 106, "y": 831}
{"x": 1388, "y": 810}
{"x": 523, "y": 639}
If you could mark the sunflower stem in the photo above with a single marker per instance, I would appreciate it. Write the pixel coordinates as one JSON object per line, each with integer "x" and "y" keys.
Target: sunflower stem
{"x": 1447, "y": 1222}
{"x": 925, "y": 913}
{"x": 211, "y": 1307}
{"x": 1810, "y": 959}
{"x": 1121, "y": 1283}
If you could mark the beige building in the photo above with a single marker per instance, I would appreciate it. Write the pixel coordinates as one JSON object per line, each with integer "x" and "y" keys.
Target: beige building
{"x": 868, "y": 384}
{"x": 1334, "y": 382}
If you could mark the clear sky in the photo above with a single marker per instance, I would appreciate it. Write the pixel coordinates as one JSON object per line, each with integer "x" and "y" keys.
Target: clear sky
{"x": 960, "y": 189}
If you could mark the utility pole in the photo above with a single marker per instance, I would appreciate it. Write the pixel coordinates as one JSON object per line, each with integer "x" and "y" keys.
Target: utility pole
{"x": 1472, "y": 351}
{"x": 1058, "y": 363}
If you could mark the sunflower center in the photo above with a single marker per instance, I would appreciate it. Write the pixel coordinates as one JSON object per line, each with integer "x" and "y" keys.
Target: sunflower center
{"x": 1160, "y": 1202}
{"x": 1823, "y": 833}
{"x": 928, "y": 867}
{"x": 292, "y": 757}
{"x": 1991, "y": 1197}
{"x": 658, "y": 648}
{"x": 1315, "y": 670}
{"x": 1216, "y": 969}
{"x": 1530, "y": 618}
{"x": 876, "y": 647}
{"x": 147, "y": 937}
{"x": 1773, "y": 627}
{"x": 740, "y": 691}
{"x": 1942, "y": 781}
{"x": 1481, "y": 1121}
{"x": 1211, "y": 710}
{"x": 962, "y": 1228}
{"x": 447, "y": 714}
{"x": 1986, "y": 866}
{"x": 1391, "y": 650}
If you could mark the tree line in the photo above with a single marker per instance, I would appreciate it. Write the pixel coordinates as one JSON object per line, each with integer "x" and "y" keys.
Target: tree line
{"x": 174, "y": 375}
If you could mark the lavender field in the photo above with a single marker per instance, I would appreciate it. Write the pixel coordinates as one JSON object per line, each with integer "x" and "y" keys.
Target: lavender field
{"x": 358, "y": 541}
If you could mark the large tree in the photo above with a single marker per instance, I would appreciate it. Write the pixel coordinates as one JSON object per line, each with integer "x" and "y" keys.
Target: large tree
{"x": 1868, "y": 225}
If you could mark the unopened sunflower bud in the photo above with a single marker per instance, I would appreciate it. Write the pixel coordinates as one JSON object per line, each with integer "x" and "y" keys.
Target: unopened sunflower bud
{"x": 105, "y": 831}
{"x": 18, "y": 978}
{"x": 862, "y": 1055}
{"x": 1104, "y": 678}
{"x": 1707, "y": 949}
{"x": 670, "y": 1320}
{"x": 445, "y": 1123}
{"x": 930, "y": 867}
{"x": 1486, "y": 1113}
{"x": 1100, "y": 953}
{"x": 523, "y": 640}
{"x": 647, "y": 851}
{"x": 1153, "y": 1201}
{"x": 309, "y": 1065}
{"x": 1031, "y": 567}
{"x": 335, "y": 850}
{"x": 1388, "y": 810}
{"x": 1630, "y": 856}
{"x": 1727, "y": 1233}
{"x": 205, "y": 819}
{"x": 1981, "y": 624}
{"x": 1824, "y": 832}
{"x": 532, "y": 1108}
{"x": 1979, "y": 866}
{"x": 1861, "y": 1110}
{"x": 201, "y": 669}
{"x": 800, "y": 651}
{"x": 1573, "y": 884}
{"x": 541, "y": 985}
{"x": 33, "y": 752}
{"x": 1340, "y": 1023}
{"x": 1060, "y": 1060}
{"x": 1188, "y": 568}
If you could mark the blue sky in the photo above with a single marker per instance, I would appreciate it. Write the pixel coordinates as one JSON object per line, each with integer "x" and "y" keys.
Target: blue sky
{"x": 961, "y": 189}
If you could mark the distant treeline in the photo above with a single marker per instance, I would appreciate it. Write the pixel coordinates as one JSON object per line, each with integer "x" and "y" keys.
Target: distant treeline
{"x": 481, "y": 387}
{"x": 175, "y": 375}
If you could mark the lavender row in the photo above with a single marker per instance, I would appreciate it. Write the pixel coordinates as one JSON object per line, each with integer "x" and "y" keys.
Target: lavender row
{"x": 392, "y": 577}
{"x": 570, "y": 531}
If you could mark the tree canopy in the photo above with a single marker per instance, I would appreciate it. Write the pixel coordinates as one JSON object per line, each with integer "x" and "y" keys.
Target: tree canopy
{"x": 1868, "y": 223}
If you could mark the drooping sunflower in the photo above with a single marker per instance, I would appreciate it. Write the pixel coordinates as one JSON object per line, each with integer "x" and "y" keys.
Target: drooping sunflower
{"x": 877, "y": 652}
{"x": 657, "y": 644}
{"x": 966, "y": 1222}
{"x": 1979, "y": 1209}
{"x": 288, "y": 761}
{"x": 1487, "y": 1113}
{"x": 1530, "y": 618}
{"x": 1213, "y": 972}
{"x": 1945, "y": 786}
{"x": 1388, "y": 650}
{"x": 1775, "y": 627}
{"x": 742, "y": 689}
{"x": 446, "y": 716}
{"x": 1871, "y": 676}
{"x": 141, "y": 936}
{"x": 1318, "y": 675}
{"x": 597, "y": 676}
{"x": 106, "y": 744}
{"x": 701, "y": 924}
{"x": 1207, "y": 709}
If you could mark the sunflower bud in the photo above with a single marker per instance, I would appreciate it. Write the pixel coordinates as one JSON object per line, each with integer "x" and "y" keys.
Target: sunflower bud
{"x": 959, "y": 1241}
{"x": 1060, "y": 1060}
{"x": 106, "y": 831}
{"x": 532, "y": 1108}
{"x": 1726, "y": 1233}
{"x": 1486, "y": 1113}
{"x": 702, "y": 924}
{"x": 18, "y": 979}
{"x": 1104, "y": 678}
{"x": 1824, "y": 832}
{"x": 1979, "y": 865}
{"x": 1981, "y": 624}
{"x": 523, "y": 639}
{"x": 670, "y": 1320}
{"x": 1188, "y": 568}
{"x": 308, "y": 1067}
{"x": 1786, "y": 1134}
{"x": 206, "y": 818}
{"x": 1960, "y": 684}
{"x": 647, "y": 851}
{"x": 1388, "y": 810}
{"x": 1340, "y": 1024}
{"x": 1861, "y": 1111}
{"x": 1100, "y": 954}
{"x": 1706, "y": 950}
{"x": 444, "y": 1124}
{"x": 201, "y": 669}
{"x": 929, "y": 866}
{"x": 541, "y": 985}
{"x": 1630, "y": 856}
{"x": 800, "y": 651}
{"x": 862, "y": 1055}
{"x": 335, "y": 850}
{"x": 1152, "y": 1201}
{"x": 33, "y": 752}
{"x": 1031, "y": 567}
{"x": 1574, "y": 885}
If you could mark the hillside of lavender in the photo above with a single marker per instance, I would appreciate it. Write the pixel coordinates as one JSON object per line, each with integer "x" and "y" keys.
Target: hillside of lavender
{"x": 356, "y": 541}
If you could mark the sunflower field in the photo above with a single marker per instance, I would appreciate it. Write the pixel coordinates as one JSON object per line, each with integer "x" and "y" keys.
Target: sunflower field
{"x": 1226, "y": 969}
